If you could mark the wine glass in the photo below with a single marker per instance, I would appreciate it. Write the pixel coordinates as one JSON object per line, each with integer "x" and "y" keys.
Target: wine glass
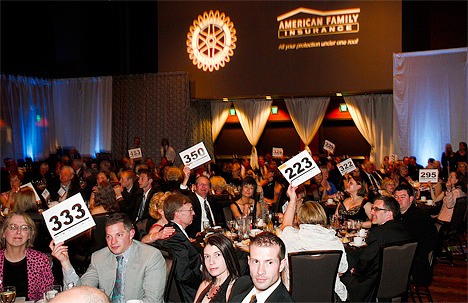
{"x": 7, "y": 294}
{"x": 82, "y": 183}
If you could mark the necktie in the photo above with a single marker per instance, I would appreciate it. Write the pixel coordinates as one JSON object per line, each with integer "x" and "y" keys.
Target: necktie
{"x": 253, "y": 299}
{"x": 208, "y": 213}
{"x": 142, "y": 208}
{"x": 117, "y": 294}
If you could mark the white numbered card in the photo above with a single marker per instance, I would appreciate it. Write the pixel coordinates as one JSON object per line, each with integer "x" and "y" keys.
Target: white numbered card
{"x": 426, "y": 175}
{"x": 299, "y": 169}
{"x": 195, "y": 155}
{"x": 68, "y": 218}
{"x": 329, "y": 146}
{"x": 393, "y": 158}
{"x": 277, "y": 152}
{"x": 45, "y": 194}
{"x": 29, "y": 184}
{"x": 135, "y": 153}
{"x": 346, "y": 166}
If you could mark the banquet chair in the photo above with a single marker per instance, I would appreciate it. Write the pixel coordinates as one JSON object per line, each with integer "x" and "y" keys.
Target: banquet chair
{"x": 455, "y": 230}
{"x": 395, "y": 265}
{"x": 313, "y": 274}
{"x": 172, "y": 292}
{"x": 227, "y": 214}
{"x": 425, "y": 287}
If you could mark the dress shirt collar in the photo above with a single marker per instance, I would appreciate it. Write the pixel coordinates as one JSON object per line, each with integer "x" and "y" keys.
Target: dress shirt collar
{"x": 262, "y": 296}
{"x": 181, "y": 228}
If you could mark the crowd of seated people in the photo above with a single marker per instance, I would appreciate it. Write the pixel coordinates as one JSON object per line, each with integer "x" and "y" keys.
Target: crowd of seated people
{"x": 140, "y": 190}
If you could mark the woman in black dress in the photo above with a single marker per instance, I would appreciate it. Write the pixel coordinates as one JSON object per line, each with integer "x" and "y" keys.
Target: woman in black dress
{"x": 220, "y": 270}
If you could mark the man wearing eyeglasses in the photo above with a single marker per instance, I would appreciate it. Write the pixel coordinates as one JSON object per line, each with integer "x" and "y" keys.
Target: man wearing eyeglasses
{"x": 364, "y": 263}
{"x": 179, "y": 212}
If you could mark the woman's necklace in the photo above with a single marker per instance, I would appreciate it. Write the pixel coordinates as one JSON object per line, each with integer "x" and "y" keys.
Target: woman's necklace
{"x": 213, "y": 291}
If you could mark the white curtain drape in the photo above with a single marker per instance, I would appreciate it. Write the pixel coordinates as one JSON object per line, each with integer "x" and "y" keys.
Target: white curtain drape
{"x": 253, "y": 116}
{"x": 27, "y": 123}
{"x": 373, "y": 116}
{"x": 84, "y": 107}
{"x": 39, "y": 115}
{"x": 307, "y": 116}
{"x": 219, "y": 114}
{"x": 430, "y": 102}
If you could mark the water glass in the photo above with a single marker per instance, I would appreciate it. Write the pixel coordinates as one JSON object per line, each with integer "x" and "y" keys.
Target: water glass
{"x": 52, "y": 292}
{"x": 7, "y": 294}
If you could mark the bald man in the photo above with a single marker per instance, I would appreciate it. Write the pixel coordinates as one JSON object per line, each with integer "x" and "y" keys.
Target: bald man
{"x": 81, "y": 294}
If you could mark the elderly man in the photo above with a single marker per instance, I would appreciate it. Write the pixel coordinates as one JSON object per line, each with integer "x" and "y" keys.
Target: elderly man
{"x": 81, "y": 294}
{"x": 266, "y": 262}
{"x": 364, "y": 263}
{"x": 66, "y": 188}
{"x": 201, "y": 205}
{"x": 421, "y": 228}
{"x": 179, "y": 212}
{"x": 126, "y": 269}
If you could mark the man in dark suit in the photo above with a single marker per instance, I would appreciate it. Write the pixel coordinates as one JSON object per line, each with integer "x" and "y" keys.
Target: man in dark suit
{"x": 201, "y": 205}
{"x": 65, "y": 188}
{"x": 361, "y": 279}
{"x": 266, "y": 262}
{"x": 421, "y": 228}
{"x": 131, "y": 194}
{"x": 372, "y": 178}
{"x": 146, "y": 181}
{"x": 179, "y": 212}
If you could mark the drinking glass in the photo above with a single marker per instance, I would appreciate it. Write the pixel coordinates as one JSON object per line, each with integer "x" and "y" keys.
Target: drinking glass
{"x": 232, "y": 228}
{"x": 206, "y": 226}
{"x": 52, "y": 292}
{"x": 7, "y": 294}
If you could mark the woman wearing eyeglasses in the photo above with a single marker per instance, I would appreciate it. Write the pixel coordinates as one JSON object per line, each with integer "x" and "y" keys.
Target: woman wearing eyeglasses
{"x": 27, "y": 269}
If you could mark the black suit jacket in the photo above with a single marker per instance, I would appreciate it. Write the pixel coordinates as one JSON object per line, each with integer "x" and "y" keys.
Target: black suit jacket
{"x": 131, "y": 201}
{"x": 145, "y": 215}
{"x": 244, "y": 285}
{"x": 366, "y": 260}
{"x": 422, "y": 229}
{"x": 72, "y": 190}
{"x": 195, "y": 227}
{"x": 188, "y": 262}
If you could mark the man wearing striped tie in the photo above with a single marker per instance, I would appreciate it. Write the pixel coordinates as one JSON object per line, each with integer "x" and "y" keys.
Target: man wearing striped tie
{"x": 266, "y": 262}
{"x": 125, "y": 270}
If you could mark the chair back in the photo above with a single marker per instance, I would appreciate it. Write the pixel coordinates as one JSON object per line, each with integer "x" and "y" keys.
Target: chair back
{"x": 172, "y": 292}
{"x": 313, "y": 274}
{"x": 395, "y": 266}
{"x": 227, "y": 214}
{"x": 459, "y": 214}
{"x": 98, "y": 233}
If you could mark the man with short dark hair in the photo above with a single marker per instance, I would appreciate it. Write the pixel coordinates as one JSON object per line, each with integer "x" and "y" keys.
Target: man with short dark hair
{"x": 130, "y": 192}
{"x": 364, "y": 264}
{"x": 421, "y": 228}
{"x": 179, "y": 212}
{"x": 266, "y": 262}
{"x": 126, "y": 269}
{"x": 146, "y": 179}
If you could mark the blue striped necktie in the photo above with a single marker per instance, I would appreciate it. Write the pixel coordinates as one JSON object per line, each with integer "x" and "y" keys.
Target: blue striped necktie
{"x": 117, "y": 294}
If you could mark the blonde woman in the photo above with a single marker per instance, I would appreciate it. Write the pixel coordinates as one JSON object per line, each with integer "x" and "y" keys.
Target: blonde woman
{"x": 156, "y": 211}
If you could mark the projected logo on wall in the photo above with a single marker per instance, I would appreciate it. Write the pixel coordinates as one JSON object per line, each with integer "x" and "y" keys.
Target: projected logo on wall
{"x": 305, "y": 22}
{"x": 211, "y": 41}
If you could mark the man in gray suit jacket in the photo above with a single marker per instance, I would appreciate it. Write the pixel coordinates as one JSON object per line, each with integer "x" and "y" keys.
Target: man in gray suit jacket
{"x": 142, "y": 270}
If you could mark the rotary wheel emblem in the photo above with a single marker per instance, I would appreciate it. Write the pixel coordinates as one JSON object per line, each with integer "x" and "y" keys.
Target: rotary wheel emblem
{"x": 211, "y": 41}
